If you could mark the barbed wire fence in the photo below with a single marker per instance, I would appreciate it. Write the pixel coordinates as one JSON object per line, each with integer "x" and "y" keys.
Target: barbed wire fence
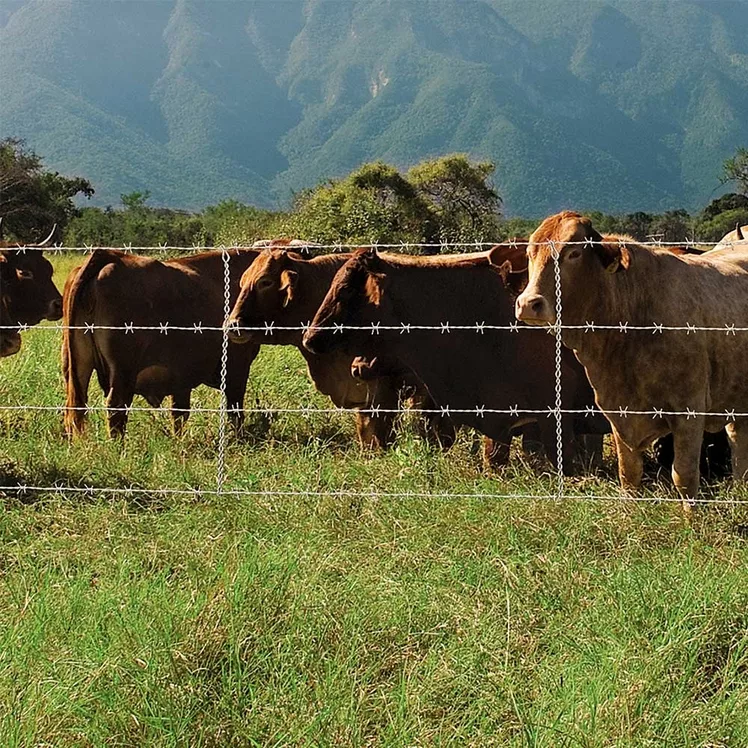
{"x": 562, "y": 489}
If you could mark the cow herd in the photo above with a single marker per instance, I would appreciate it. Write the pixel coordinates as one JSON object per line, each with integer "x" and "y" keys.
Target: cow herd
{"x": 655, "y": 338}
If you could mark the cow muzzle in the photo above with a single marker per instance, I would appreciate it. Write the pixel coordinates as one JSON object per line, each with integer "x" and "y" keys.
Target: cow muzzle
{"x": 317, "y": 340}
{"x": 10, "y": 344}
{"x": 534, "y": 309}
{"x": 235, "y": 333}
{"x": 54, "y": 310}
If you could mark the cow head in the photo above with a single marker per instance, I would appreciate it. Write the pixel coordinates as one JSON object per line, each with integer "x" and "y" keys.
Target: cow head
{"x": 583, "y": 256}
{"x": 357, "y": 297}
{"x": 267, "y": 290}
{"x": 30, "y": 293}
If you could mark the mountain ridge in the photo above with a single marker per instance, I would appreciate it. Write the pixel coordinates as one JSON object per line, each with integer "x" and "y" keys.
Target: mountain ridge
{"x": 615, "y": 105}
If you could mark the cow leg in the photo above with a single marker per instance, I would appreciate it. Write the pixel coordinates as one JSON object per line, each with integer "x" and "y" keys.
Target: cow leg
{"x": 443, "y": 431}
{"x": 119, "y": 399}
{"x": 235, "y": 408}
{"x": 590, "y": 451}
{"x": 77, "y": 370}
{"x": 180, "y": 410}
{"x": 630, "y": 464}
{"x": 237, "y": 373}
{"x": 438, "y": 429}
{"x": 738, "y": 438}
{"x": 549, "y": 439}
{"x": 687, "y": 438}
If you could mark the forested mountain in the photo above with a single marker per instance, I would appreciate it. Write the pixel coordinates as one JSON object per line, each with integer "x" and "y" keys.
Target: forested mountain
{"x": 616, "y": 105}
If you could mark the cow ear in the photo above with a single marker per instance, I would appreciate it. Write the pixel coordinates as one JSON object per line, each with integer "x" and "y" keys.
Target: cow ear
{"x": 613, "y": 254}
{"x": 289, "y": 279}
{"x": 376, "y": 284}
{"x": 510, "y": 260}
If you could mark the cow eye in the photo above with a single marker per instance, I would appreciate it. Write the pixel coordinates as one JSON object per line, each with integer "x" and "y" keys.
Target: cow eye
{"x": 24, "y": 274}
{"x": 264, "y": 283}
{"x": 575, "y": 254}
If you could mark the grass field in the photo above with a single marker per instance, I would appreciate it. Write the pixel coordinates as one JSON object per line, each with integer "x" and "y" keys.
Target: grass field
{"x": 402, "y": 616}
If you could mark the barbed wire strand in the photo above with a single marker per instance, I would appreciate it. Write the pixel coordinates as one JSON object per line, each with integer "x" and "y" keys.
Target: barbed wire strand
{"x": 308, "y": 247}
{"x": 550, "y": 411}
{"x": 404, "y": 328}
{"x": 373, "y": 494}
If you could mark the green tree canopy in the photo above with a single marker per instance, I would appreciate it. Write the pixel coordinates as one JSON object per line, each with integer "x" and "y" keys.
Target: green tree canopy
{"x": 461, "y": 194}
{"x": 32, "y": 199}
{"x": 445, "y": 199}
{"x": 374, "y": 204}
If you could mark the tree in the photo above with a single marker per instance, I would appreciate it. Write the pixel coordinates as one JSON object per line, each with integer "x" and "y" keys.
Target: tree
{"x": 461, "y": 195}
{"x": 135, "y": 201}
{"x": 730, "y": 201}
{"x": 32, "y": 199}
{"x": 735, "y": 169}
{"x": 672, "y": 227}
{"x": 638, "y": 225}
{"x": 374, "y": 204}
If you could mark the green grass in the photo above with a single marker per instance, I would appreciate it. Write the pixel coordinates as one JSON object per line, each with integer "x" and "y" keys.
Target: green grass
{"x": 326, "y": 619}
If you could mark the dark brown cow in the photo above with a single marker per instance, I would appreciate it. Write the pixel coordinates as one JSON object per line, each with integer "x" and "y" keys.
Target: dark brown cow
{"x": 27, "y": 293}
{"x": 682, "y": 373}
{"x": 10, "y": 339}
{"x": 462, "y": 369}
{"x": 283, "y": 290}
{"x": 114, "y": 289}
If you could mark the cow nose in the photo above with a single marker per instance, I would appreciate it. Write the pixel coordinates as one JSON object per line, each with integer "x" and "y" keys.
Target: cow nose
{"x": 54, "y": 311}
{"x": 533, "y": 308}
{"x": 233, "y": 331}
{"x": 314, "y": 340}
{"x": 10, "y": 344}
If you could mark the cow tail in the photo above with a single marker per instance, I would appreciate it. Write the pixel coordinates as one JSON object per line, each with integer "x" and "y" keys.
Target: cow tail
{"x": 79, "y": 348}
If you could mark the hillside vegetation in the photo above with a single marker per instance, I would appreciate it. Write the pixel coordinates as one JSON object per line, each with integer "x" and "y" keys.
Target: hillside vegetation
{"x": 614, "y": 105}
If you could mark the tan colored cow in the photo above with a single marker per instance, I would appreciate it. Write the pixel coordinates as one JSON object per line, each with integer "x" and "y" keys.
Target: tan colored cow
{"x": 682, "y": 373}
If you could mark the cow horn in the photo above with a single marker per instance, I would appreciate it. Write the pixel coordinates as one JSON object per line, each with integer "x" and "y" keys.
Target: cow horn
{"x": 739, "y": 232}
{"x": 48, "y": 239}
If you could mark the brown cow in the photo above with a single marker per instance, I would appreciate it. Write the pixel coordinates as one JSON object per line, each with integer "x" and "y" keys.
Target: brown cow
{"x": 27, "y": 293}
{"x": 463, "y": 370}
{"x": 114, "y": 289}
{"x": 678, "y": 372}
{"x": 283, "y": 290}
{"x": 10, "y": 339}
